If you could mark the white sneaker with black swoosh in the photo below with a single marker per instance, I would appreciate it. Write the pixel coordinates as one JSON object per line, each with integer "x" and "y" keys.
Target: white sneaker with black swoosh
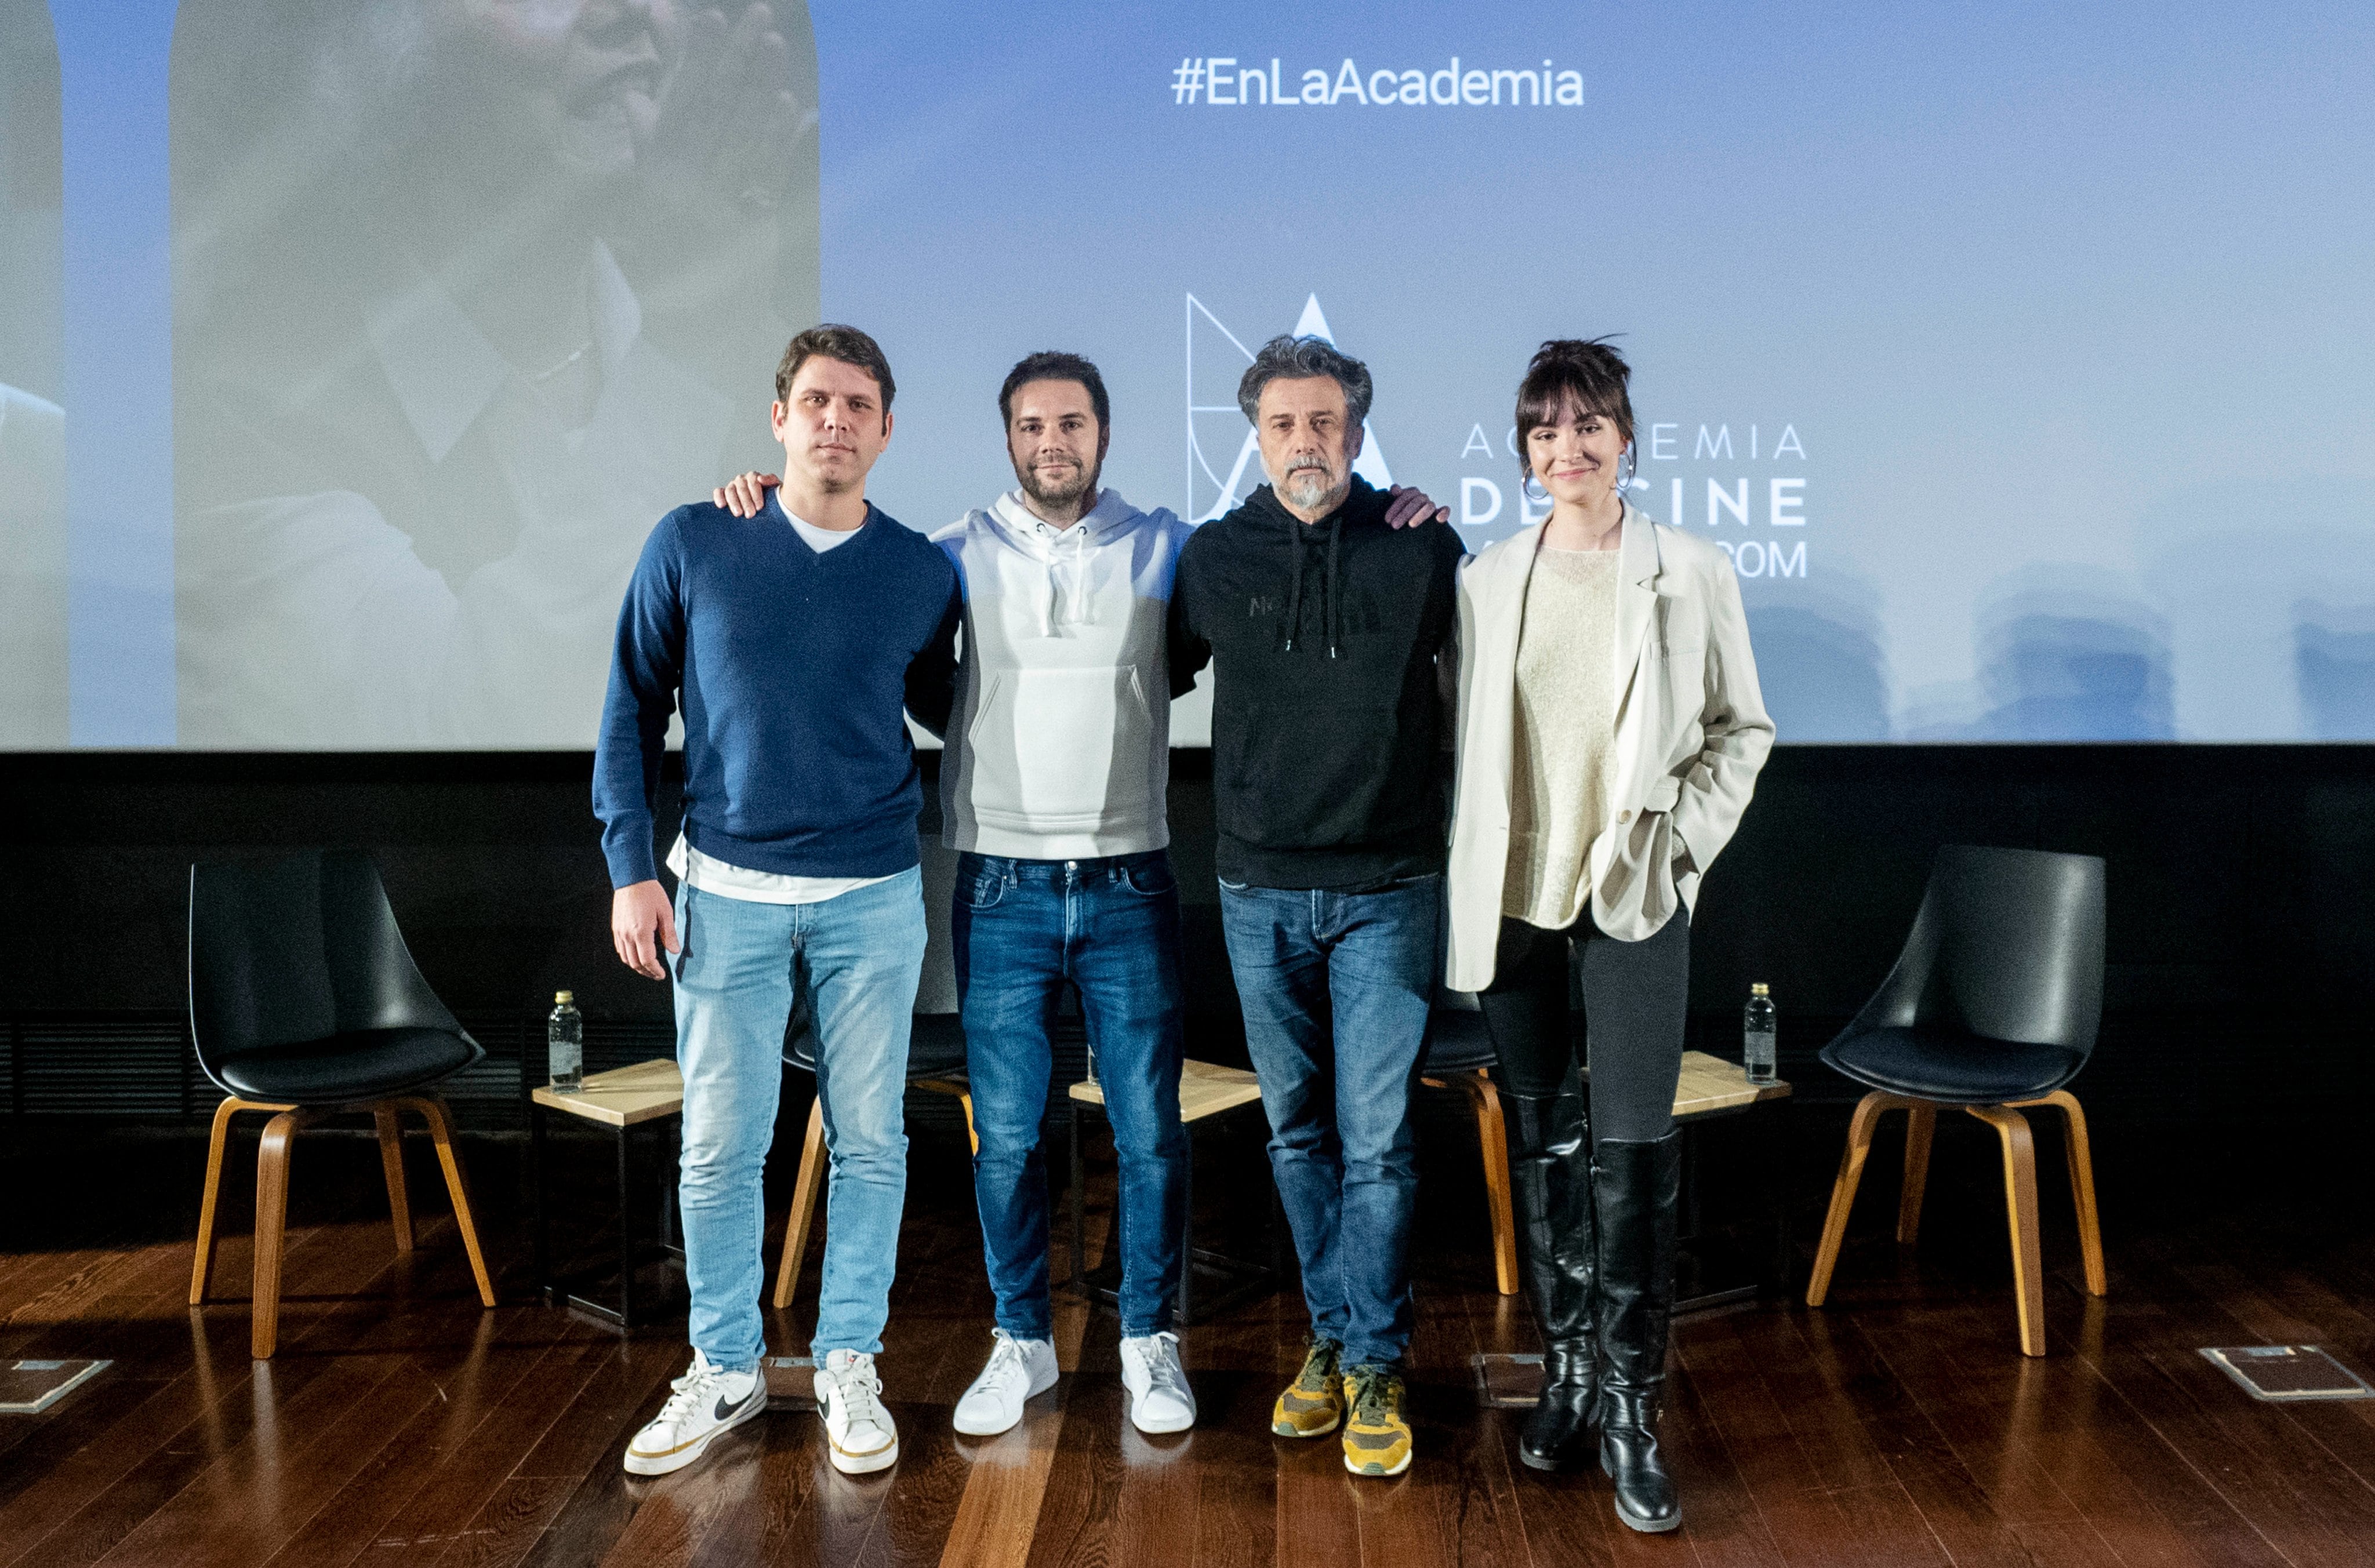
{"x": 703, "y": 1402}
{"x": 860, "y": 1431}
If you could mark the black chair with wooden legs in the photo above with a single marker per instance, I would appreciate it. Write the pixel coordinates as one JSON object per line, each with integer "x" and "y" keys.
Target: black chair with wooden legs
{"x": 1460, "y": 1056}
{"x": 305, "y": 1004}
{"x": 1993, "y": 1009}
{"x": 936, "y": 1060}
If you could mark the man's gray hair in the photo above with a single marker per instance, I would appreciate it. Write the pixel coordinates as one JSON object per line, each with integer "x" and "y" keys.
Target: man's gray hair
{"x": 1297, "y": 358}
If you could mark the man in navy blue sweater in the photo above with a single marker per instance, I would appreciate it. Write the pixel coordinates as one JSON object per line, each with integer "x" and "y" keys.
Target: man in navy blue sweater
{"x": 791, "y": 642}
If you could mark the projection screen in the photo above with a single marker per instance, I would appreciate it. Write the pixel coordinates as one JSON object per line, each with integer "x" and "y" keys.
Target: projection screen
{"x": 2017, "y": 356}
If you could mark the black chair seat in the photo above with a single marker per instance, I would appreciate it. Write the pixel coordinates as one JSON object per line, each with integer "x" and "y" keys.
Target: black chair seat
{"x": 1951, "y": 1066}
{"x": 343, "y": 1068}
{"x": 936, "y": 1046}
{"x": 1457, "y": 1042}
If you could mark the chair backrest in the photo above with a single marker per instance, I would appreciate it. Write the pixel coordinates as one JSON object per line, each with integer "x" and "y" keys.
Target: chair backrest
{"x": 937, "y": 993}
{"x": 290, "y": 950}
{"x": 2008, "y": 945}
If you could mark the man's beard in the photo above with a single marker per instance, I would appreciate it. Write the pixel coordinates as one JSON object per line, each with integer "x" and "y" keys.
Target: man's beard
{"x": 1309, "y": 484}
{"x": 1083, "y": 485}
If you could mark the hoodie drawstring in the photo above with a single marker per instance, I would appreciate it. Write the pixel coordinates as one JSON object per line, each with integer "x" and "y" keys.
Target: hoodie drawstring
{"x": 1335, "y": 600}
{"x": 1294, "y": 581}
{"x": 1060, "y": 608}
{"x": 1331, "y": 600}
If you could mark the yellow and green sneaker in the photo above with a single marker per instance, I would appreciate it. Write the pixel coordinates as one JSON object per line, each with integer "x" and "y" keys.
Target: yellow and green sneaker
{"x": 1314, "y": 1403}
{"x": 1377, "y": 1435}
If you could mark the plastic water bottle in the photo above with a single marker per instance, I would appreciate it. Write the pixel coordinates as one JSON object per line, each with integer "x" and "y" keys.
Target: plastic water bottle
{"x": 1756, "y": 1036}
{"x": 564, "y": 1042}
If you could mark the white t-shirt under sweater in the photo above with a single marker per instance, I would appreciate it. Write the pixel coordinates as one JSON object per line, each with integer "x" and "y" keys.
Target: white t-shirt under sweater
{"x": 712, "y": 875}
{"x": 1566, "y": 734}
{"x": 1060, "y": 743}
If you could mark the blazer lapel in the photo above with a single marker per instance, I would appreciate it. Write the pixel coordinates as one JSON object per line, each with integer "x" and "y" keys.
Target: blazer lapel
{"x": 1637, "y": 569}
{"x": 1501, "y": 608}
{"x": 1517, "y": 569}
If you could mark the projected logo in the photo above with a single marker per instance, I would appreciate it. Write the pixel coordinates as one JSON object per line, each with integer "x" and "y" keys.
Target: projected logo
{"x": 1217, "y": 359}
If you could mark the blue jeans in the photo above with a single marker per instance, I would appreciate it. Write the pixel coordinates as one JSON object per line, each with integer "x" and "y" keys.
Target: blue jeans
{"x": 1336, "y": 989}
{"x": 1111, "y": 927}
{"x": 862, "y": 955}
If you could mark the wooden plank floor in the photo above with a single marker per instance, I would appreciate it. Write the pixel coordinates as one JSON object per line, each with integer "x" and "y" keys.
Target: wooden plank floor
{"x": 401, "y": 1425}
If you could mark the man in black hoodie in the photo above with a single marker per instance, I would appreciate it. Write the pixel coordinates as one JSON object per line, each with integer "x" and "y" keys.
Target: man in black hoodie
{"x": 1329, "y": 633}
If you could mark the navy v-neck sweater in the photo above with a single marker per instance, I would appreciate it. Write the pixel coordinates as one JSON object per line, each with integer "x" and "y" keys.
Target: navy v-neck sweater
{"x": 791, "y": 670}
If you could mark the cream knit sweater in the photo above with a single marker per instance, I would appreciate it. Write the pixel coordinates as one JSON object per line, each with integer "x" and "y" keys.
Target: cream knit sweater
{"x": 1565, "y": 725}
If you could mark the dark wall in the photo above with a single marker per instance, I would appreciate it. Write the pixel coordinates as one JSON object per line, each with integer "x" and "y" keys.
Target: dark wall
{"x": 2241, "y": 934}
{"x": 2242, "y": 930}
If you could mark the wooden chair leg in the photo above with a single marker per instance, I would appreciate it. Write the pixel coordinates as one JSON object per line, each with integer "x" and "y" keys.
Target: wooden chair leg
{"x": 271, "y": 1223}
{"x": 432, "y": 1110}
{"x": 1493, "y": 1141}
{"x": 391, "y": 1161}
{"x": 202, "y": 1266}
{"x": 1843, "y": 1190}
{"x": 2079, "y": 1156}
{"x": 805, "y": 1187}
{"x": 2020, "y": 1200}
{"x": 1921, "y": 1122}
{"x": 964, "y": 1096}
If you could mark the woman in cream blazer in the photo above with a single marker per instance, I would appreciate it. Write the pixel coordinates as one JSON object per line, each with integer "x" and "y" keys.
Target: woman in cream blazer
{"x": 1611, "y": 733}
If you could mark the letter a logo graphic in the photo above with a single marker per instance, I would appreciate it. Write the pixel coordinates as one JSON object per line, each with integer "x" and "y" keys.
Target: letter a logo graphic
{"x": 1211, "y": 406}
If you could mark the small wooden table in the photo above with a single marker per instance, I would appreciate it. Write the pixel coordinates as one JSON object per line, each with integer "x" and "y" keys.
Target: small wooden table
{"x": 646, "y": 1095}
{"x": 1206, "y": 1090}
{"x": 1712, "y": 1089}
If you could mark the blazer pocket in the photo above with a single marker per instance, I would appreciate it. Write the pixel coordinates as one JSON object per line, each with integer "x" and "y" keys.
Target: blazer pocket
{"x": 1682, "y": 627}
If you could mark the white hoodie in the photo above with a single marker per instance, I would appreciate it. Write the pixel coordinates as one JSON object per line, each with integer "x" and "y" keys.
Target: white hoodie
{"x": 1060, "y": 745}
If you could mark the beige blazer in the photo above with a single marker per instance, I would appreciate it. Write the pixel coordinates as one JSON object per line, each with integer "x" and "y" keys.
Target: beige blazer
{"x": 1691, "y": 733}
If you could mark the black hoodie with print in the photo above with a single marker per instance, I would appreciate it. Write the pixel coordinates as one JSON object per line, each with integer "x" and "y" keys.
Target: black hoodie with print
{"x": 1327, "y": 707}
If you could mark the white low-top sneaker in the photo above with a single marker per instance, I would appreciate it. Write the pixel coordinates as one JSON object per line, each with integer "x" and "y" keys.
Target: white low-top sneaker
{"x": 1018, "y": 1369}
{"x": 1160, "y": 1399}
{"x": 857, "y": 1428}
{"x": 703, "y": 1403}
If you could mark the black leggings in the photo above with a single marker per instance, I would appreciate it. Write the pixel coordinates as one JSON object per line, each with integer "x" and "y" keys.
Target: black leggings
{"x": 1636, "y": 1003}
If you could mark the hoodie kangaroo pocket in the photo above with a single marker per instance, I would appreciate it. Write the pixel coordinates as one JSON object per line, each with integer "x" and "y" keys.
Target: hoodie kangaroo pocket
{"x": 1307, "y": 780}
{"x": 1061, "y": 747}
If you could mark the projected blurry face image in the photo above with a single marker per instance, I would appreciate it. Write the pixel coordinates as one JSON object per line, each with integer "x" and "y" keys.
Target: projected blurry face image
{"x": 466, "y": 294}
{"x": 596, "y": 68}
{"x": 1307, "y": 443}
{"x": 32, "y": 423}
{"x": 834, "y": 427}
{"x": 1577, "y": 459}
{"x": 1058, "y": 445}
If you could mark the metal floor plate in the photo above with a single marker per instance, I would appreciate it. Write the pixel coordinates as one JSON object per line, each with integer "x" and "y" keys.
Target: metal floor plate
{"x": 2288, "y": 1373}
{"x": 1506, "y": 1381}
{"x": 29, "y": 1387}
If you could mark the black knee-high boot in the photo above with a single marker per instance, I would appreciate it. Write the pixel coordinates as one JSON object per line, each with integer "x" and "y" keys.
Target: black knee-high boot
{"x": 1635, "y": 1187}
{"x": 1550, "y": 1177}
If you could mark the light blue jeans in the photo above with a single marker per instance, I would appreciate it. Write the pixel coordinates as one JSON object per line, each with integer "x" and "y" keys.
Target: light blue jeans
{"x": 862, "y": 957}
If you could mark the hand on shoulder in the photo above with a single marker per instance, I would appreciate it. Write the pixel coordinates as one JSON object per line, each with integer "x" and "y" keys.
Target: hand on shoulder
{"x": 744, "y": 494}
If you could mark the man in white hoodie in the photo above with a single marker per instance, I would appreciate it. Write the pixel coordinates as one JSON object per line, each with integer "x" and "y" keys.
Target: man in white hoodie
{"x": 1052, "y": 791}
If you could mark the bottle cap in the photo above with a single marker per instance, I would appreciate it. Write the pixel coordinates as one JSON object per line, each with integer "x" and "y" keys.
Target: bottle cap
{"x": 1759, "y": 989}
{"x": 562, "y": 998}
